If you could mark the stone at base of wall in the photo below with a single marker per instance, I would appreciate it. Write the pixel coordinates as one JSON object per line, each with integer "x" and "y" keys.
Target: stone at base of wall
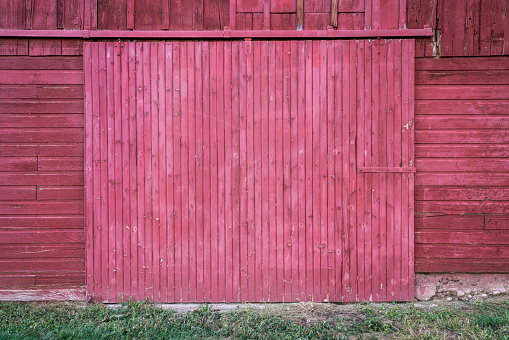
{"x": 463, "y": 287}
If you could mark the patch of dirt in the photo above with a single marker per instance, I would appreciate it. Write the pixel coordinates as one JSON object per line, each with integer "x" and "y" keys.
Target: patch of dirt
{"x": 314, "y": 312}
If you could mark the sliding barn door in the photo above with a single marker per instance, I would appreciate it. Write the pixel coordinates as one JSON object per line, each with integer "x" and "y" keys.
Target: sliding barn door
{"x": 249, "y": 171}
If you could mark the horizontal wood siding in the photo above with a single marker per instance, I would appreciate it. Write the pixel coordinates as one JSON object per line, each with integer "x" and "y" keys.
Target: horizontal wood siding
{"x": 227, "y": 171}
{"x": 462, "y": 183}
{"x": 42, "y": 243}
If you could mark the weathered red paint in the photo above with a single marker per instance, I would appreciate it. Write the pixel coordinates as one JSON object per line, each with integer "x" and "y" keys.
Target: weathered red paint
{"x": 41, "y": 178}
{"x": 461, "y": 193}
{"x": 255, "y": 194}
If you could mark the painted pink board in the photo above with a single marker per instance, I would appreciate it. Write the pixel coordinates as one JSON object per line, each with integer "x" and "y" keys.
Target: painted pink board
{"x": 251, "y": 192}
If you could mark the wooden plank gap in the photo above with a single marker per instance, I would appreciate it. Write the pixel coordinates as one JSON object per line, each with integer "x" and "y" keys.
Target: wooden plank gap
{"x": 300, "y": 14}
{"x": 334, "y": 13}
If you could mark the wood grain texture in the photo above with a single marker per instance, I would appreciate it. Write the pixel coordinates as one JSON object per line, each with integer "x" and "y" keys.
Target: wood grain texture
{"x": 243, "y": 200}
{"x": 48, "y": 294}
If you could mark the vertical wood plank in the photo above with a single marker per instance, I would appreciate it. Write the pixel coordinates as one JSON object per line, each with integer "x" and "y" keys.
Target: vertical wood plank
{"x": 29, "y": 14}
{"x": 161, "y": 182}
{"x": 411, "y": 176}
{"x": 361, "y": 154}
{"x": 192, "y": 158}
{"x": 287, "y": 186}
{"x": 118, "y": 180}
{"x": 155, "y": 159}
{"x": 198, "y": 15}
{"x": 104, "y": 255}
{"x": 244, "y": 65}
{"x": 198, "y": 61}
{"x": 60, "y": 14}
{"x": 272, "y": 174}
{"x": 130, "y": 14}
{"x": 125, "y": 224}
{"x": 170, "y": 172}
{"x": 221, "y": 171}
{"x": 185, "y": 167}
{"x": 140, "y": 256}
{"x": 165, "y": 14}
{"x": 229, "y": 153}
{"x": 177, "y": 169}
{"x": 89, "y": 173}
{"x": 93, "y": 14}
{"x": 87, "y": 14}
{"x": 300, "y": 115}
{"x": 309, "y": 172}
{"x": 236, "y": 119}
{"x": 266, "y": 15}
{"x": 390, "y": 162}
{"x": 368, "y": 16}
{"x": 368, "y": 177}
{"x": 294, "y": 185}
{"x": 346, "y": 274}
{"x": 257, "y": 184}
{"x": 133, "y": 190}
{"x": 402, "y": 14}
{"x": 233, "y": 14}
{"x": 163, "y": 177}
{"x": 382, "y": 158}
{"x": 398, "y": 178}
{"x": 375, "y": 203}
{"x": 331, "y": 265}
{"x": 249, "y": 174}
{"x": 279, "y": 203}
{"x": 316, "y": 172}
{"x": 207, "y": 207}
{"x": 338, "y": 180}
{"x": 97, "y": 171}
{"x": 405, "y": 161}
{"x": 265, "y": 188}
{"x": 352, "y": 223}
{"x": 214, "y": 250}
{"x": 322, "y": 171}
{"x": 148, "y": 225}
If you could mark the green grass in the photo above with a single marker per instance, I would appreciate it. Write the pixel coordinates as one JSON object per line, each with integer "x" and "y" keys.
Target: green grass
{"x": 141, "y": 320}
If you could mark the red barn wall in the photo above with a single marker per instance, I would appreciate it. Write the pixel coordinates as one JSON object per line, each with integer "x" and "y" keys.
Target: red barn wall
{"x": 462, "y": 179}
{"x": 466, "y": 212}
{"x": 41, "y": 176}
